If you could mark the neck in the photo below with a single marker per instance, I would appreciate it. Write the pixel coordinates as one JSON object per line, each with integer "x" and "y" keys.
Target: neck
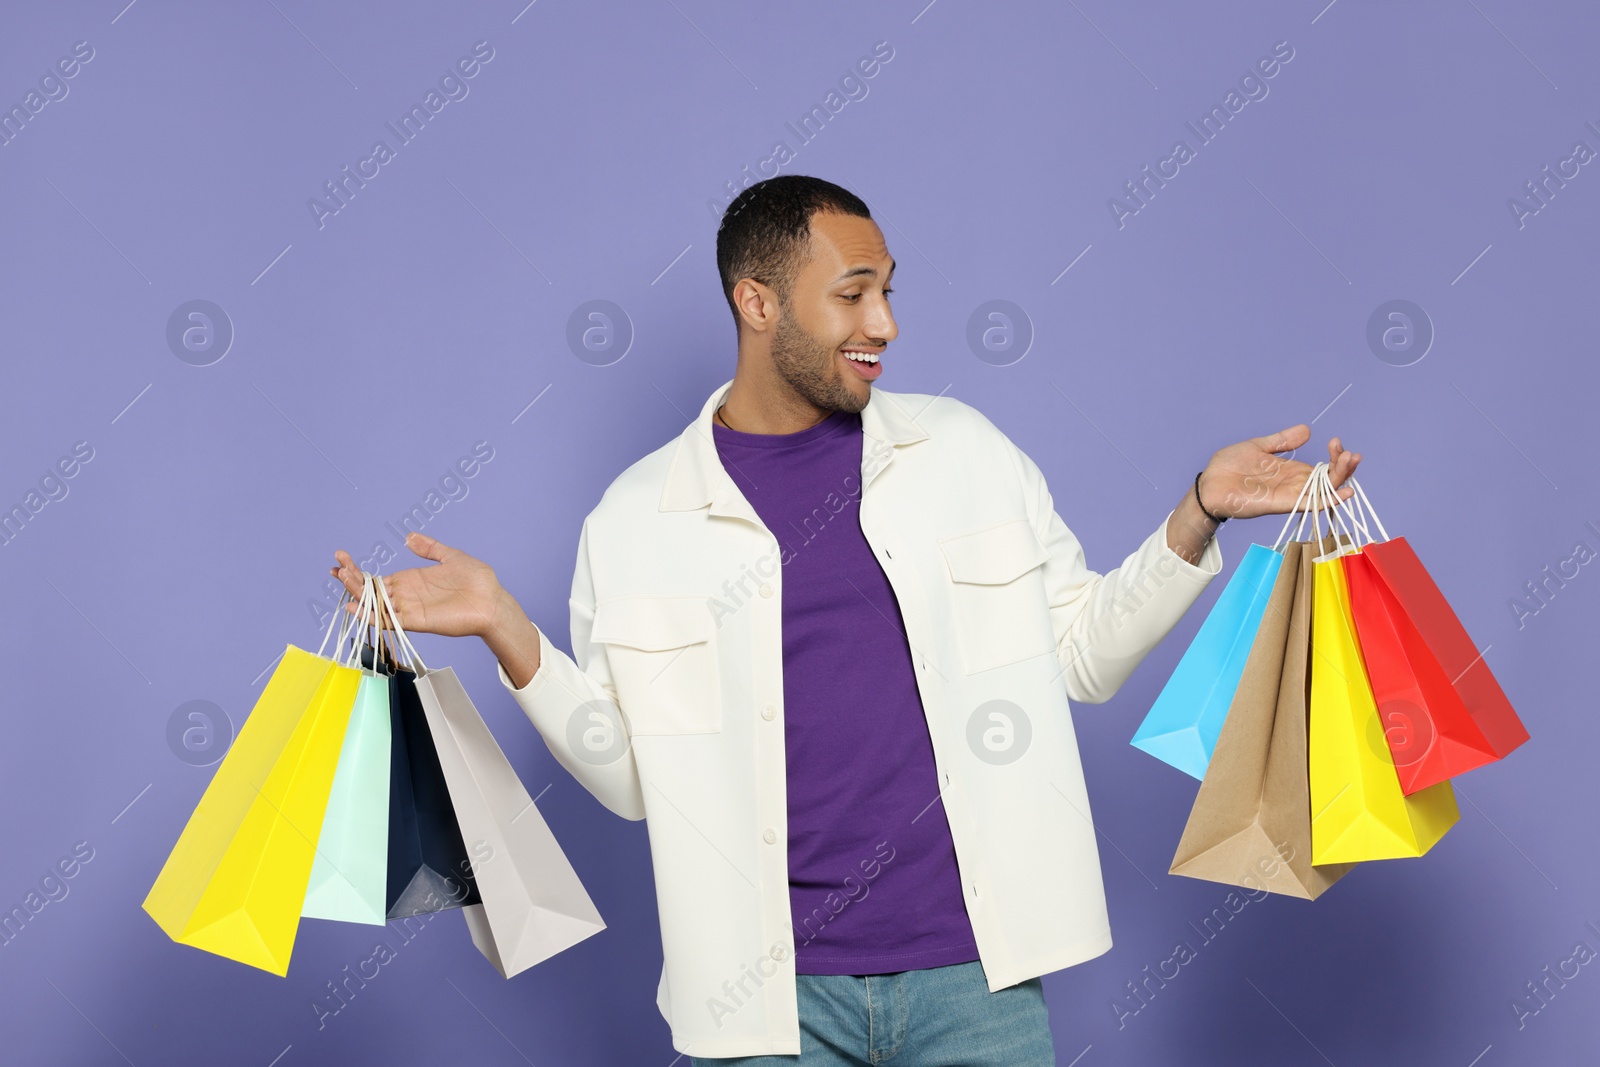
{"x": 742, "y": 412}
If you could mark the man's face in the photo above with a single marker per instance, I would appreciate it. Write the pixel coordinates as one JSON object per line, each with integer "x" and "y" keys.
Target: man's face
{"x": 839, "y": 305}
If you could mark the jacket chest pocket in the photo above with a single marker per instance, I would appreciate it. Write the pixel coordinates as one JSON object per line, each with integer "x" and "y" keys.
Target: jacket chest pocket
{"x": 1001, "y": 612}
{"x": 662, "y": 654}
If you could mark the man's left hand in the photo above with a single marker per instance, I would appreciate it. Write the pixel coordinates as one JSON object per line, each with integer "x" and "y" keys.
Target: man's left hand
{"x": 1249, "y": 479}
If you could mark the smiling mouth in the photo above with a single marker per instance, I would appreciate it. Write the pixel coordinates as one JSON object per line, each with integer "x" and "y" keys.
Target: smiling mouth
{"x": 865, "y": 364}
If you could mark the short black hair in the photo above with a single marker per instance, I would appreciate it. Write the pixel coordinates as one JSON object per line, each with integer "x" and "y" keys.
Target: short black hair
{"x": 765, "y": 230}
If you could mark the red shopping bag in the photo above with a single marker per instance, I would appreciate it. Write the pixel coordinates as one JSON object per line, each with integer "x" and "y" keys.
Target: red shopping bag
{"x": 1426, "y": 725}
{"x": 1406, "y": 613}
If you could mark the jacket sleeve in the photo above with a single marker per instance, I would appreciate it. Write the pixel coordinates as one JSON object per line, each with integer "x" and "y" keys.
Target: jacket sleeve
{"x": 1105, "y": 624}
{"x": 555, "y": 700}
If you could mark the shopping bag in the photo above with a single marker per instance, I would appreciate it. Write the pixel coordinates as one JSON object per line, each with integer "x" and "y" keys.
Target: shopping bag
{"x": 1428, "y": 729}
{"x": 236, "y": 879}
{"x": 1251, "y": 821}
{"x": 533, "y": 904}
{"x": 1442, "y": 709}
{"x": 428, "y": 866}
{"x": 349, "y": 877}
{"x": 1358, "y": 810}
{"x": 1183, "y": 724}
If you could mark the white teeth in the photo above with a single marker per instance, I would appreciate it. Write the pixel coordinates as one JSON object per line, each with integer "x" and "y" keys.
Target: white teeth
{"x": 861, "y": 357}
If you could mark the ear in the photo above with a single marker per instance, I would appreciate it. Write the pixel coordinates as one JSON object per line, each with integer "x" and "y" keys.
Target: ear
{"x": 757, "y": 304}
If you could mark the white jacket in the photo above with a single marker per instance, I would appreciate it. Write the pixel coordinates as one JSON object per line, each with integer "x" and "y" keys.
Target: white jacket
{"x": 676, "y": 614}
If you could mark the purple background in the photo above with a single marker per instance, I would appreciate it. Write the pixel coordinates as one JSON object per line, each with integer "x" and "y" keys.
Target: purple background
{"x": 430, "y": 312}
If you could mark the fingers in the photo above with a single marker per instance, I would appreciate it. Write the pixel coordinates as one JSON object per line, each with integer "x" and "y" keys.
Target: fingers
{"x": 1286, "y": 440}
{"x": 427, "y": 547}
{"x": 347, "y": 572}
{"x": 1341, "y": 463}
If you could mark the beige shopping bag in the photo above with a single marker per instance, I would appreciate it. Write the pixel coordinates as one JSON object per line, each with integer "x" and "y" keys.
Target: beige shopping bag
{"x": 1251, "y": 822}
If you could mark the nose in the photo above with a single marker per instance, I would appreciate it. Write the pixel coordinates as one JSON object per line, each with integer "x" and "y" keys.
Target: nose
{"x": 879, "y": 324}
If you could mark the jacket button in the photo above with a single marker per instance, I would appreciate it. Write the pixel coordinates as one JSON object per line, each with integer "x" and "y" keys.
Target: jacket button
{"x": 769, "y": 712}
{"x": 766, "y": 589}
{"x": 769, "y": 837}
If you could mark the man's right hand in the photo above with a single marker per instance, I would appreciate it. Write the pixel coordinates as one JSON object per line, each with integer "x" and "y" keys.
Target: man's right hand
{"x": 457, "y": 597}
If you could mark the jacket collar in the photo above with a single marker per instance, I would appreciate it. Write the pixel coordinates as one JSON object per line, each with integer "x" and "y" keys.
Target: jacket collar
{"x": 696, "y": 476}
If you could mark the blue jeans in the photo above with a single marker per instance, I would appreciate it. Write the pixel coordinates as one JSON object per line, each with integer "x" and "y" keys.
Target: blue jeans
{"x": 937, "y": 1017}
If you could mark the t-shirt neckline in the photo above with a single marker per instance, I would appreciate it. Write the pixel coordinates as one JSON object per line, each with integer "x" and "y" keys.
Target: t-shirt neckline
{"x": 837, "y": 422}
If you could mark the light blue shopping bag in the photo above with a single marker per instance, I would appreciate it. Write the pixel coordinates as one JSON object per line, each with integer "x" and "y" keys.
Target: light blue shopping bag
{"x": 1182, "y": 726}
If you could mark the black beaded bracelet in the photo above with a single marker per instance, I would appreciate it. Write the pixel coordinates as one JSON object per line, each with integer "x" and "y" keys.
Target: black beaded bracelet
{"x": 1219, "y": 520}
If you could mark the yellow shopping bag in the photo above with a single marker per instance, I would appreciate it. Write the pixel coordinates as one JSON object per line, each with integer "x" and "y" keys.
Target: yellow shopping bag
{"x": 1358, "y": 811}
{"x": 235, "y": 881}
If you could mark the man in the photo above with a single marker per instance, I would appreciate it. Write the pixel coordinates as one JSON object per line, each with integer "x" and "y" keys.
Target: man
{"x": 824, "y": 643}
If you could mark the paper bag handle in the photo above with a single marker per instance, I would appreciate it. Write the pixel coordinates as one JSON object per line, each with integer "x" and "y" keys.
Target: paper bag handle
{"x": 1277, "y": 546}
{"x": 1337, "y": 514}
{"x": 1358, "y": 508}
{"x": 1366, "y": 508}
{"x": 339, "y": 620}
{"x": 362, "y": 622}
{"x": 401, "y": 638}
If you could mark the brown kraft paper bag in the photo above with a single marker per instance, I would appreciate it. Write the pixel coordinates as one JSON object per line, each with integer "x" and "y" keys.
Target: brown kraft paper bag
{"x": 1251, "y": 822}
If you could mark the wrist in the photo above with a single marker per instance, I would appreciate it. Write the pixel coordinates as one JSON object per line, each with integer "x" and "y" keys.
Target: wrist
{"x": 1189, "y": 529}
{"x": 1213, "y": 516}
{"x": 505, "y": 616}
{"x": 1195, "y": 517}
{"x": 513, "y": 640}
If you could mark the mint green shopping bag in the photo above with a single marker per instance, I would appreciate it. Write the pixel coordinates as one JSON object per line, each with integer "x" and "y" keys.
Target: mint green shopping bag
{"x": 349, "y": 877}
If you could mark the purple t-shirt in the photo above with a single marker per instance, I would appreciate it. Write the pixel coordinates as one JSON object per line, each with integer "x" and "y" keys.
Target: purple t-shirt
{"x": 873, "y": 884}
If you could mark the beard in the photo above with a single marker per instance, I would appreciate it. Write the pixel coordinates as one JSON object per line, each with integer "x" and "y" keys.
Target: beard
{"x": 810, "y": 366}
